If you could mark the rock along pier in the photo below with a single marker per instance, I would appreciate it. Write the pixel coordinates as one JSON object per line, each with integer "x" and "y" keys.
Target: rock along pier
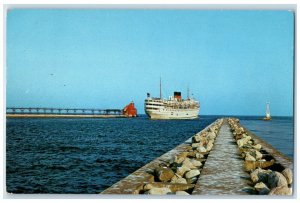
{"x": 223, "y": 159}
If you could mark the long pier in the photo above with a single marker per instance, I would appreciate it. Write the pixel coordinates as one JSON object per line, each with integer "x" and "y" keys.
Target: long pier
{"x": 223, "y": 159}
{"x": 17, "y": 112}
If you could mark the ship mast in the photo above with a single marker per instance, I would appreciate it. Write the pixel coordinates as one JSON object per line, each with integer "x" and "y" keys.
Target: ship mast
{"x": 160, "y": 88}
{"x": 188, "y": 93}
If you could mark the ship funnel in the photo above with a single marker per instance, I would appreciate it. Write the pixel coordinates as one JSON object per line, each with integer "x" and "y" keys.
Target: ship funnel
{"x": 177, "y": 95}
{"x": 148, "y": 94}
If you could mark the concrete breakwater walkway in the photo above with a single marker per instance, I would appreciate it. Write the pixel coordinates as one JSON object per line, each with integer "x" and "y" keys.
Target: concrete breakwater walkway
{"x": 222, "y": 159}
{"x": 222, "y": 172}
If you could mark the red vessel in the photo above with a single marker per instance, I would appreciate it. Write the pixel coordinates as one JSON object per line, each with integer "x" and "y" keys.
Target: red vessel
{"x": 130, "y": 110}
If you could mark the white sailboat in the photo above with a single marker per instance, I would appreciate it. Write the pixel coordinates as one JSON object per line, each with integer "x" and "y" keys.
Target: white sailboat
{"x": 268, "y": 114}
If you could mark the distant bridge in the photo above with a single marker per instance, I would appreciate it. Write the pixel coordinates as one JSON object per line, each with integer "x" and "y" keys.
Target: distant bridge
{"x": 63, "y": 111}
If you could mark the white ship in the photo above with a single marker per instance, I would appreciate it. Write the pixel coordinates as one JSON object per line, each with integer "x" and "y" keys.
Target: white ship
{"x": 173, "y": 108}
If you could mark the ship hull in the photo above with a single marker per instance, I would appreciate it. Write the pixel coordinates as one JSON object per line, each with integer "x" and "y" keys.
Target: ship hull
{"x": 173, "y": 114}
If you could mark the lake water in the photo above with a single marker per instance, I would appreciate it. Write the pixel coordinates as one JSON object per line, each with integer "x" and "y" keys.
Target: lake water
{"x": 279, "y": 132}
{"x": 88, "y": 155}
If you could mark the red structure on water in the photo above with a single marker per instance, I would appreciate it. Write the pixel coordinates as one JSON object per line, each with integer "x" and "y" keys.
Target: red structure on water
{"x": 130, "y": 110}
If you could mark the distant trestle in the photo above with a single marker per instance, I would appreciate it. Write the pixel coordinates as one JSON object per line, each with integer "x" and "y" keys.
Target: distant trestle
{"x": 64, "y": 111}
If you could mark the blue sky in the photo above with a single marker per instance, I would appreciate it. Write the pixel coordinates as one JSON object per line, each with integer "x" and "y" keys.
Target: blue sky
{"x": 232, "y": 61}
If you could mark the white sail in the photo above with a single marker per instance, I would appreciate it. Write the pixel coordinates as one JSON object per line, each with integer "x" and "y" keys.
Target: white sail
{"x": 268, "y": 114}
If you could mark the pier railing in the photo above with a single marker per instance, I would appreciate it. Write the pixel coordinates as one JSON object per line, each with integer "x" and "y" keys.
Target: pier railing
{"x": 64, "y": 111}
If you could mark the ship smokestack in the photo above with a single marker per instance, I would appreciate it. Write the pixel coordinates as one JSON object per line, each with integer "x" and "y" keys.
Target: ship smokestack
{"x": 177, "y": 95}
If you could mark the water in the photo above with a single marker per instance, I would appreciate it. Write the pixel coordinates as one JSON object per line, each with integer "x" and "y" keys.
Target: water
{"x": 89, "y": 155}
{"x": 278, "y": 132}
{"x": 86, "y": 155}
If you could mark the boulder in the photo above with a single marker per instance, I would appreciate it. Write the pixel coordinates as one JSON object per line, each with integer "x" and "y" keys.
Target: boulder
{"x": 192, "y": 180}
{"x": 175, "y": 177}
{"x": 181, "y": 193}
{"x": 262, "y": 188}
{"x": 247, "y": 147}
{"x": 174, "y": 166}
{"x": 187, "y": 163}
{"x": 158, "y": 191}
{"x": 192, "y": 173}
{"x": 181, "y": 170}
{"x": 200, "y": 139}
{"x": 209, "y": 145}
{"x": 180, "y": 157}
{"x": 243, "y": 153}
{"x": 172, "y": 186}
{"x": 254, "y": 175}
{"x": 238, "y": 131}
{"x": 199, "y": 156}
{"x": 251, "y": 165}
{"x": 250, "y": 142}
{"x": 203, "y": 140}
{"x": 197, "y": 144}
{"x": 257, "y": 147}
{"x": 288, "y": 174}
{"x": 240, "y": 143}
{"x": 188, "y": 148}
{"x": 211, "y": 129}
{"x": 243, "y": 141}
{"x": 163, "y": 174}
{"x": 249, "y": 157}
{"x": 276, "y": 179}
{"x": 260, "y": 175}
{"x": 283, "y": 190}
{"x": 237, "y": 137}
{"x": 201, "y": 149}
{"x": 258, "y": 155}
{"x": 255, "y": 153}
{"x": 179, "y": 180}
{"x": 192, "y": 154}
{"x": 196, "y": 163}
{"x": 211, "y": 135}
{"x": 196, "y": 138}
